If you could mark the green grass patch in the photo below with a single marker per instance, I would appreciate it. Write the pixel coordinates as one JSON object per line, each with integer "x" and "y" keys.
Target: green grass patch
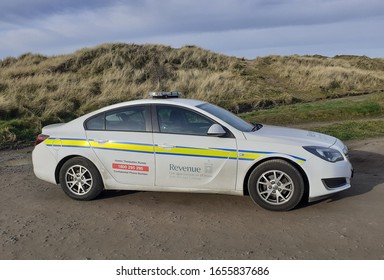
{"x": 354, "y": 130}
{"x": 321, "y": 111}
{"x": 18, "y": 130}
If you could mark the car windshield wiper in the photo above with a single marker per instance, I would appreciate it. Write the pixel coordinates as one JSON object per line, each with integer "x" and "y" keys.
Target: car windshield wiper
{"x": 256, "y": 126}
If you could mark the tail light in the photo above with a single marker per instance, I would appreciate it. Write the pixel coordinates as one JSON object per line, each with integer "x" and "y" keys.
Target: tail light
{"x": 40, "y": 138}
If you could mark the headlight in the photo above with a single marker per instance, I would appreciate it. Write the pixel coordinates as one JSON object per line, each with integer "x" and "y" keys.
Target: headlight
{"x": 345, "y": 151}
{"x": 327, "y": 154}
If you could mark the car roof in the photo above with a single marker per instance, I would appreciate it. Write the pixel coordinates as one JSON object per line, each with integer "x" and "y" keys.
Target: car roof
{"x": 170, "y": 101}
{"x": 173, "y": 101}
{"x": 180, "y": 101}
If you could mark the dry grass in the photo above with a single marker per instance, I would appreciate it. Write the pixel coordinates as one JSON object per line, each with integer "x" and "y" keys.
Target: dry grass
{"x": 310, "y": 78}
{"x": 39, "y": 90}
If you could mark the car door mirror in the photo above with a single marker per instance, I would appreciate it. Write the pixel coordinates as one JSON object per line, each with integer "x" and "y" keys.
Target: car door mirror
{"x": 216, "y": 130}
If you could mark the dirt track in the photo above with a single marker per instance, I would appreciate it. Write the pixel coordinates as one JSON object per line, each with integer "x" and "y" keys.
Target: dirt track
{"x": 37, "y": 221}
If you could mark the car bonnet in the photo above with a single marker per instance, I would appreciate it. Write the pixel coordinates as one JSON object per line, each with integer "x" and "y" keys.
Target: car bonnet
{"x": 291, "y": 136}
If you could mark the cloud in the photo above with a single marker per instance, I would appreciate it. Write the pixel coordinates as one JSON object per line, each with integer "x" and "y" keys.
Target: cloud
{"x": 24, "y": 10}
{"x": 227, "y": 26}
{"x": 323, "y": 39}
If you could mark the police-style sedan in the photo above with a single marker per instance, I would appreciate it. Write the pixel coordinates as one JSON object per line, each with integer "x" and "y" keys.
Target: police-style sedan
{"x": 183, "y": 145}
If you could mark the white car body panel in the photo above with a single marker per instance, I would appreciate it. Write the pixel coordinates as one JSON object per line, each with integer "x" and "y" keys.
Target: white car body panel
{"x": 175, "y": 167}
{"x": 136, "y": 168}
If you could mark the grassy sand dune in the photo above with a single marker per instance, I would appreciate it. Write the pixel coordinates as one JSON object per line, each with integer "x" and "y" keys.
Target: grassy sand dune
{"x": 36, "y": 90}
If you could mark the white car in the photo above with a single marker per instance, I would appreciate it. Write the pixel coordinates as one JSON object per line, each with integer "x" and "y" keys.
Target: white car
{"x": 183, "y": 145}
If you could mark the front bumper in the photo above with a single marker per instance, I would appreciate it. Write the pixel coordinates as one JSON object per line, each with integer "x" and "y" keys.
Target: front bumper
{"x": 326, "y": 178}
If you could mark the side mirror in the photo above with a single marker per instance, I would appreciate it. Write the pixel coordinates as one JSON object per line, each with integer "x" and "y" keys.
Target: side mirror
{"x": 216, "y": 130}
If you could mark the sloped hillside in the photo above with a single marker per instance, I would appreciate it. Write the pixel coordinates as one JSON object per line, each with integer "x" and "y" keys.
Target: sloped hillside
{"x": 36, "y": 90}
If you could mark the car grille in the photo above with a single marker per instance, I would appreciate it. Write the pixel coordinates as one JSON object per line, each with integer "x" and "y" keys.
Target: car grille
{"x": 334, "y": 183}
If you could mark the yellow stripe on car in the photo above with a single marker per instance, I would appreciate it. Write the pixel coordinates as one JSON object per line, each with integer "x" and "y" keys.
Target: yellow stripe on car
{"x": 123, "y": 146}
{"x": 177, "y": 151}
{"x": 187, "y": 151}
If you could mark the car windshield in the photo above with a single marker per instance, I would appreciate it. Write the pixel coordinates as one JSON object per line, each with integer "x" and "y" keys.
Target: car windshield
{"x": 226, "y": 116}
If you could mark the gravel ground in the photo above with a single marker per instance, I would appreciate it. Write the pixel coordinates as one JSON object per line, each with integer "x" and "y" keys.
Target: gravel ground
{"x": 38, "y": 221}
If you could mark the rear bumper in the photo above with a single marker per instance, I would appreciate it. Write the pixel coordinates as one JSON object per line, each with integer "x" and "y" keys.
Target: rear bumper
{"x": 44, "y": 163}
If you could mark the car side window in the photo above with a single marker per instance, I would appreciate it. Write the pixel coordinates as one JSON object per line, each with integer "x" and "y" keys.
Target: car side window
{"x": 132, "y": 118}
{"x": 126, "y": 119}
{"x": 182, "y": 121}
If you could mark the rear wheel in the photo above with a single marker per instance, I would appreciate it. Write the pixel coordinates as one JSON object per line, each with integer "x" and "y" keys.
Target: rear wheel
{"x": 80, "y": 179}
{"x": 276, "y": 185}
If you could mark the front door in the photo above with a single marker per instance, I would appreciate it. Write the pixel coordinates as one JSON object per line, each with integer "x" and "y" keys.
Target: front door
{"x": 186, "y": 157}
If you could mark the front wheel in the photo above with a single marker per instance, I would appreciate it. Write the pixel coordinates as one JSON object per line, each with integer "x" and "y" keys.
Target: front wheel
{"x": 80, "y": 179}
{"x": 276, "y": 185}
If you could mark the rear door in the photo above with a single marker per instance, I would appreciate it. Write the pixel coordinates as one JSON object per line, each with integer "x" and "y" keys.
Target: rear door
{"x": 122, "y": 141}
{"x": 186, "y": 157}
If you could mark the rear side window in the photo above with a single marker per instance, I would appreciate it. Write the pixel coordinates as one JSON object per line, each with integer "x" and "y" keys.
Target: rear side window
{"x": 126, "y": 119}
{"x": 132, "y": 118}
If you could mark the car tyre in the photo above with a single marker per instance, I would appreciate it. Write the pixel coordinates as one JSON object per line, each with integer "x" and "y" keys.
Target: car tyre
{"x": 276, "y": 185}
{"x": 80, "y": 179}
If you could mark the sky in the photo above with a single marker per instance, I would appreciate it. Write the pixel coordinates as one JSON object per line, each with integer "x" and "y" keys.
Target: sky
{"x": 241, "y": 28}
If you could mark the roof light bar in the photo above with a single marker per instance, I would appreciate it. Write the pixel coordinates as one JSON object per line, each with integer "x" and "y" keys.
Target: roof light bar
{"x": 165, "y": 94}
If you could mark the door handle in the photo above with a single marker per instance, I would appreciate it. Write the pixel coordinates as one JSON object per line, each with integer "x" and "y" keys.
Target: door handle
{"x": 101, "y": 141}
{"x": 166, "y": 146}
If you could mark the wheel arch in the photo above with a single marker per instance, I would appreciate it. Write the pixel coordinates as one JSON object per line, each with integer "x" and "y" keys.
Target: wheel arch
{"x": 63, "y": 161}
{"x": 293, "y": 163}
